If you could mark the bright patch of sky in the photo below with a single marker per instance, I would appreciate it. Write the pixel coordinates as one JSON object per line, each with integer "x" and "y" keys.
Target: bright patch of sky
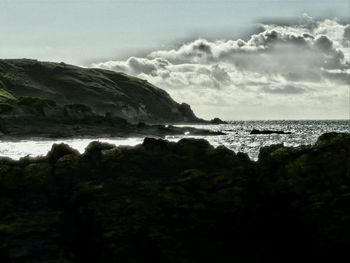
{"x": 82, "y": 31}
{"x": 259, "y": 59}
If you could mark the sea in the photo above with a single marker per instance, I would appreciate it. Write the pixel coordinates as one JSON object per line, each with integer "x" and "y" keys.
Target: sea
{"x": 237, "y": 137}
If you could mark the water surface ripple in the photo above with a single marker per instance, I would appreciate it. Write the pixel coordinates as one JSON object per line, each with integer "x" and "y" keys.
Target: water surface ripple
{"x": 237, "y": 138}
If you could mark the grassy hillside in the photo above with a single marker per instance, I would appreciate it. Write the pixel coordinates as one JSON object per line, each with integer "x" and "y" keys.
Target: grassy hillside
{"x": 6, "y": 95}
{"x": 102, "y": 90}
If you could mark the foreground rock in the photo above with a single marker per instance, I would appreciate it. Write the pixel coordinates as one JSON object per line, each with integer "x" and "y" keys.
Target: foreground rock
{"x": 177, "y": 202}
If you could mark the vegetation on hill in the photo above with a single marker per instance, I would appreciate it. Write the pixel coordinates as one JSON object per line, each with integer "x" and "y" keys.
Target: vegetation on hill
{"x": 103, "y": 91}
{"x": 5, "y": 94}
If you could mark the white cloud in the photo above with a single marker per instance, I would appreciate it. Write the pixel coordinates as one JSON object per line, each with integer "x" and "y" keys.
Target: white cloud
{"x": 281, "y": 67}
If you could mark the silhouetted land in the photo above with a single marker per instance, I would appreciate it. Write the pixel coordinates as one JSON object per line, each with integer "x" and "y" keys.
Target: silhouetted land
{"x": 102, "y": 91}
{"x": 28, "y": 117}
{"x": 177, "y": 202}
{"x": 45, "y": 99}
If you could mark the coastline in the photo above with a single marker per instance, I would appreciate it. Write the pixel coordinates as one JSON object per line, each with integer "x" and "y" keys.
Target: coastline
{"x": 27, "y": 128}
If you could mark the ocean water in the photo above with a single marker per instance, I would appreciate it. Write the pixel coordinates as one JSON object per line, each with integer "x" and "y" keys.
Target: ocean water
{"x": 237, "y": 138}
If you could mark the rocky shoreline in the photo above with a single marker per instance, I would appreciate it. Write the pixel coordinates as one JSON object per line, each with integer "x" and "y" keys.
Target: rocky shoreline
{"x": 29, "y": 128}
{"x": 56, "y": 100}
{"x": 41, "y": 118}
{"x": 177, "y": 202}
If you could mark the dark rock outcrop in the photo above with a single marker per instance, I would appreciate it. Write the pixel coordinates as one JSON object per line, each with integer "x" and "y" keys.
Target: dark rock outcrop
{"x": 217, "y": 121}
{"x": 255, "y": 131}
{"x": 177, "y": 202}
{"x": 101, "y": 90}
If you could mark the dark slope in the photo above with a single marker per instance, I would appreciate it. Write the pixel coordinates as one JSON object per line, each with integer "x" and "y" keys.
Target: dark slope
{"x": 28, "y": 117}
{"x": 102, "y": 90}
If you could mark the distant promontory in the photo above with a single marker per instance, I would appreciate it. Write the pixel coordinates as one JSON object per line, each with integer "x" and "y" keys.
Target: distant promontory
{"x": 45, "y": 99}
{"x": 104, "y": 91}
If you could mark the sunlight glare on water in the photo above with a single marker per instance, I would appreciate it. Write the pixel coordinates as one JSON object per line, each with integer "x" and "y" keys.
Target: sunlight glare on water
{"x": 237, "y": 138}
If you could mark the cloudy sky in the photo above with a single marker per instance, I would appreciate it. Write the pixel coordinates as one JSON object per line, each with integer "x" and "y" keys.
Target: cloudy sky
{"x": 250, "y": 59}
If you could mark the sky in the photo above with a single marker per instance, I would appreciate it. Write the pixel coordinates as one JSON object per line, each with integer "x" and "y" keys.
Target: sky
{"x": 247, "y": 59}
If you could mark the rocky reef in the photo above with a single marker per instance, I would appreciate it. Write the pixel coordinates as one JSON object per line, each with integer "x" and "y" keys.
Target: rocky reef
{"x": 256, "y": 131}
{"x": 177, "y": 202}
